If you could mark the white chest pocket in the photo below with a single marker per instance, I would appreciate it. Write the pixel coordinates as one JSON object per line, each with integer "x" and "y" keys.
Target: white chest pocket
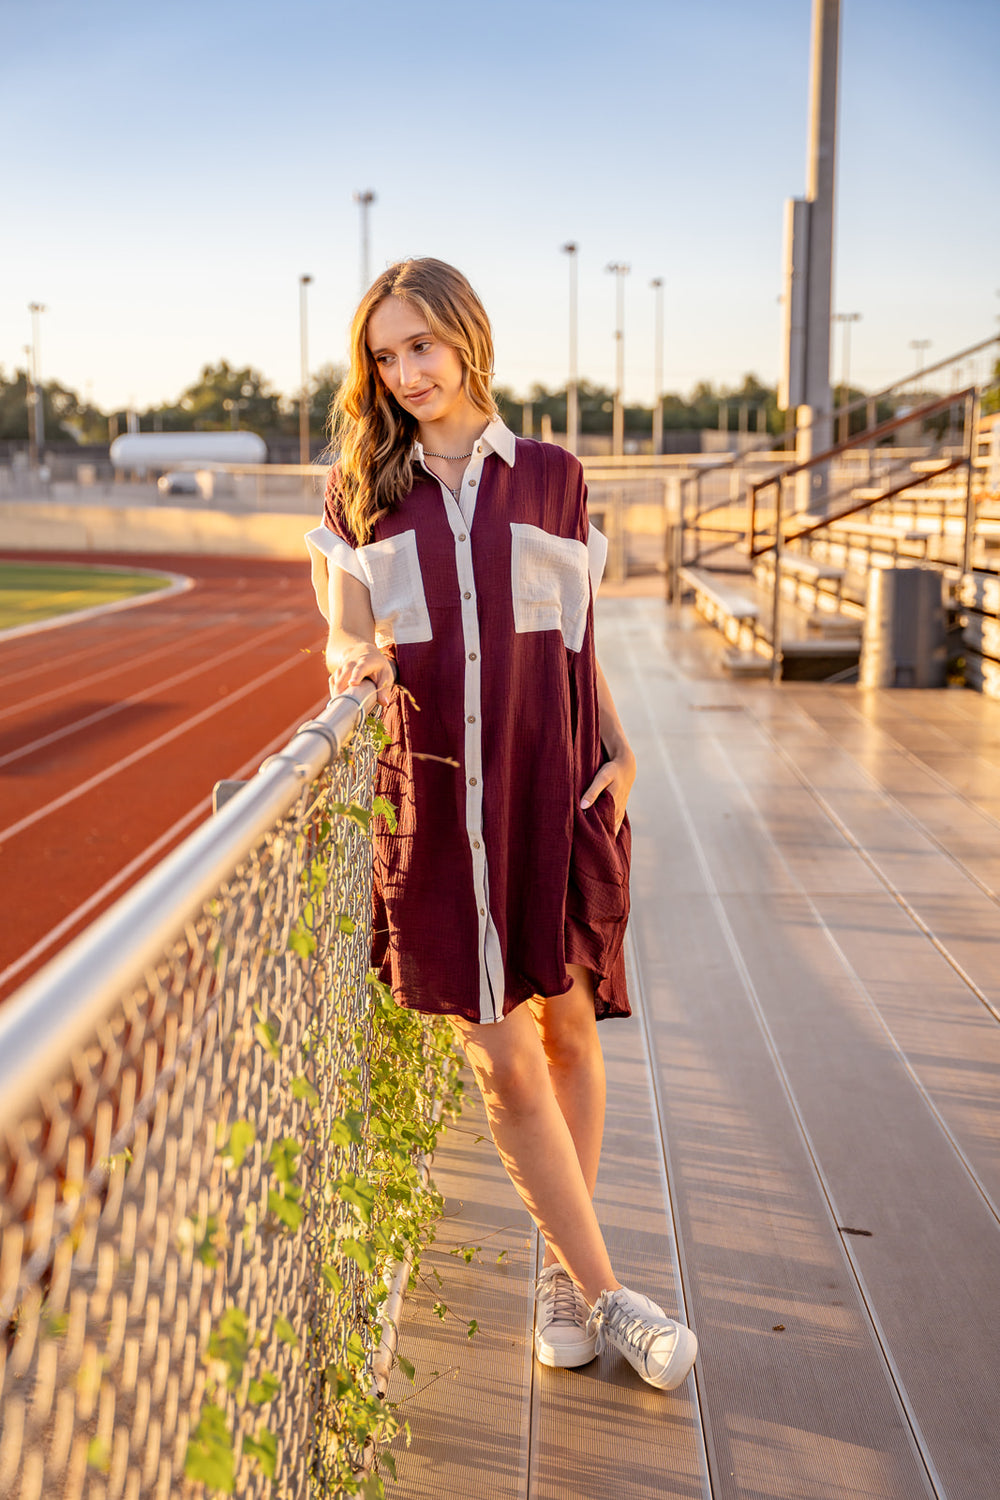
{"x": 550, "y": 583}
{"x": 397, "y": 589}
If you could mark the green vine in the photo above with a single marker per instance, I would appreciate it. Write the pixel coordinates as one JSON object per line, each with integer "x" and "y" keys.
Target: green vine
{"x": 391, "y": 1106}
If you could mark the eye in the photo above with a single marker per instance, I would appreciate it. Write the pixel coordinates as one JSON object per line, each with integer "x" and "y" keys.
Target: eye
{"x": 421, "y": 345}
{"x": 382, "y": 359}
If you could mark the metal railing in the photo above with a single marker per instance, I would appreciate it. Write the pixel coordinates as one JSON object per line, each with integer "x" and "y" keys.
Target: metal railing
{"x": 168, "y": 1088}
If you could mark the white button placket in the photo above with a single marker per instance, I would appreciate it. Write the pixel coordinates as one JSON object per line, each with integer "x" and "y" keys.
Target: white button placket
{"x": 460, "y": 515}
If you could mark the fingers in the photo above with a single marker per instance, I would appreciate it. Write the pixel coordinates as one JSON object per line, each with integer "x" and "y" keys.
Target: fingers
{"x": 602, "y": 780}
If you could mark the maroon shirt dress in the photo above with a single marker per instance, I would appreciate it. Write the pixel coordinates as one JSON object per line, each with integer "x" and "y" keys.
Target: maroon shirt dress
{"x": 495, "y": 878}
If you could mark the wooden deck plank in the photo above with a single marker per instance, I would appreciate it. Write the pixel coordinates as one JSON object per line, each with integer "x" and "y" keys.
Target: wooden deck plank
{"x": 796, "y": 1392}
{"x": 469, "y": 1407}
{"x": 818, "y": 1061}
{"x": 600, "y": 1431}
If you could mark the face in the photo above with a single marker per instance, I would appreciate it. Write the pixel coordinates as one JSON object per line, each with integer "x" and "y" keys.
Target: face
{"x": 421, "y": 372}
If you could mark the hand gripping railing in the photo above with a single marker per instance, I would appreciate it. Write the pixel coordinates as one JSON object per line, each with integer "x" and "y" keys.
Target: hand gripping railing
{"x": 151, "y": 1080}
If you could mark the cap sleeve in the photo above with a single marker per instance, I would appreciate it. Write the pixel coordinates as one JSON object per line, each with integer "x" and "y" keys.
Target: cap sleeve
{"x": 332, "y": 545}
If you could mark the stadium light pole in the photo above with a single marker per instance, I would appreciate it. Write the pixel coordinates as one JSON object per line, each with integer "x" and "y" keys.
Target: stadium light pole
{"x": 657, "y": 285}
{"x": 35, "y": 309}
{"x": 845, "y": 371}
{"x": 304, "y": 359}
{"x": 619, "y": 270}
{"x": 920, "y": 345}
{"x": 572, "y": 397}
{"x": 364, "y": 199}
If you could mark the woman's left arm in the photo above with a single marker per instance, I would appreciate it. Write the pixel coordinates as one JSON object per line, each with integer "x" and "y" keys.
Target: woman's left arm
{"x": 617, "y": 774}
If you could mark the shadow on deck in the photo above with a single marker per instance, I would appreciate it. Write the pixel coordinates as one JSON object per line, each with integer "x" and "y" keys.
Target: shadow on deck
{"x": 803, "y": 1144}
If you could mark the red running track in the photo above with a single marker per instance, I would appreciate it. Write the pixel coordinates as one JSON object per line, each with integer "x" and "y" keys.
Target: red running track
{"x": 114, "y": 730}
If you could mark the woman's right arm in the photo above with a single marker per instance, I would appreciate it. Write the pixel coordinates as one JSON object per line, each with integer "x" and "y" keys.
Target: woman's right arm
{"x": 351, "y": 652}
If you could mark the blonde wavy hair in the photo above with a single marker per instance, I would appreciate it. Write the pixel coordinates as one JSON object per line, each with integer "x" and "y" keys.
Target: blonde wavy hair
{"x": 369, "y": 431}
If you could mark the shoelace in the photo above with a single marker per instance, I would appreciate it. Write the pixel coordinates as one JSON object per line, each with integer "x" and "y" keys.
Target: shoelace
{"x": 556, "y": 1296}
{"x": 631, "y": 1328}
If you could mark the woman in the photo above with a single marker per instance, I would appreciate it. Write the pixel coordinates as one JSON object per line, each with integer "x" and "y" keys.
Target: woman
{"x": 457, "y": 561}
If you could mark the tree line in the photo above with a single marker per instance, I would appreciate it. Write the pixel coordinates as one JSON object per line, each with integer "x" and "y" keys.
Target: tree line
{"x": 226, "y": 396}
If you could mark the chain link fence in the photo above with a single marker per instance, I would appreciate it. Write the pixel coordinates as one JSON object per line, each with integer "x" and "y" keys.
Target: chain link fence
{"x": 167, "y": 1151}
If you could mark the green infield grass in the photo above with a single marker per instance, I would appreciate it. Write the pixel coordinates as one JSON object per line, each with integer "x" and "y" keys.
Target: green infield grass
{"x": 31, "y": 591}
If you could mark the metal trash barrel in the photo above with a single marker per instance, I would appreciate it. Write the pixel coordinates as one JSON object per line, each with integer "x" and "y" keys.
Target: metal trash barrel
{"x": 904, "y": 643}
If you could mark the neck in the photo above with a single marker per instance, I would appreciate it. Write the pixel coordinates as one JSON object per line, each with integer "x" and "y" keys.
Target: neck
{"x": 454, "y": 434}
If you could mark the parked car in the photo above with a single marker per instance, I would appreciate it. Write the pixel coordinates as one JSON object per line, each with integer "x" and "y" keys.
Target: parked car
{"x": 178, "y": 482}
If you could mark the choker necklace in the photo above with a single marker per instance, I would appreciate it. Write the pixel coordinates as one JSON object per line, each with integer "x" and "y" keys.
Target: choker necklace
{"x": 452, "y": 458}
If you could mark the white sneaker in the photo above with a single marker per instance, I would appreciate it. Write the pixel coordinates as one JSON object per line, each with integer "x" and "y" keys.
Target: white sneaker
{"x": 563, "y": 1337}
{"x": 661, "y": 1350}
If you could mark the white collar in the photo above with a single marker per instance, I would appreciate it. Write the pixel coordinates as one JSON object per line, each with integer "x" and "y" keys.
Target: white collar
{"x": 497, "y": 439}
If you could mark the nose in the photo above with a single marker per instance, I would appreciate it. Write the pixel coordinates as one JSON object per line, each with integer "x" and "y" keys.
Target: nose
{"x": 408, "y": 372}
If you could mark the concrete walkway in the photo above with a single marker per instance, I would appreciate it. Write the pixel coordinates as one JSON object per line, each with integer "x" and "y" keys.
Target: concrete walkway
{"x": 803, "y": 1145}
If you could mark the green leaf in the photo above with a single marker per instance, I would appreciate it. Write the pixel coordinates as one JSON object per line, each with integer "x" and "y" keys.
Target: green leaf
{"x": 406, "y": 1367}
{"x": 286, "y": 1209}
{"x": 286, "y": 1332}
{"x": 283, "y": 1157}
{"x": 472, "y": 1329}
{"x": 361, "y": 1252}
{"x": 440, "y": 1311}
{"x": 241, "y": 1138}
{"x": 348, "y": 1130}
{"x": 264, "y": 1388}
{"x": 303, "y": 1089}
{"x": 357, "y": 1192}
{"x": 382, "y": 807}
{"x": 209, "y": 1456}
{"x": 263, "y": 1447}
{"x": 268, "y": 1037}
{"x": 99, "y": 1454}
{"x": 345, "y": 923}
{"x": 230, "y": 1342}
{"x": 301, "y": 940}
{"x": 332, "y": 1278}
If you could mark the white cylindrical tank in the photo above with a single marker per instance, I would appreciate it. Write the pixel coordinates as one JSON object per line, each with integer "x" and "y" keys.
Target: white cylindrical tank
{"x": 177, "y": 450}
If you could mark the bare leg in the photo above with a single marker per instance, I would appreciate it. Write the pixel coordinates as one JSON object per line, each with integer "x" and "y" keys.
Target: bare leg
{"x": 568, "y": 1031}
{"x": 536, "y": 1146}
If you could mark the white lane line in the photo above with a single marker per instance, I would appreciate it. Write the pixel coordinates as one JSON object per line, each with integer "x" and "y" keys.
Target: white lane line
{"x": 157, "y": 687}
{"x": 177, "y": 622}
{"x": 122, "y": 665}
{"x": 133, "y": 867}
{"x": 179, "y": 584}
{"x": 130, "y": 760}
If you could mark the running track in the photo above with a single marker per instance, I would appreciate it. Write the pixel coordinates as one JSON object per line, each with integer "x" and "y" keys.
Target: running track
{"x": 114, "y": 730}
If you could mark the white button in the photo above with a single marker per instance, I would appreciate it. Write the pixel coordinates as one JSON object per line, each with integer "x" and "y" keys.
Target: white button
{"x": 479, "y": 447}
{"x": 462, "y": 537}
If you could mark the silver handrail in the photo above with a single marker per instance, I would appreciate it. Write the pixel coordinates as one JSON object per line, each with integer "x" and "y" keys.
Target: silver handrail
{"x": 59, "y": 1009}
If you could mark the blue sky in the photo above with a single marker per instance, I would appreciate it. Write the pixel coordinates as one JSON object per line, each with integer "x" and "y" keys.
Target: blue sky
{"x": 173, "y": 169}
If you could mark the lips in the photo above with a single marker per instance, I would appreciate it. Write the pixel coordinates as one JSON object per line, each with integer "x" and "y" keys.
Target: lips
{"x": 420, "y": 395}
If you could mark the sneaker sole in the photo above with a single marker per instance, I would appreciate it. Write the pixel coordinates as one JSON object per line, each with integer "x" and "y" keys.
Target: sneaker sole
{"x": 681, "y": 1361}
{"x": 569, "y": 1357}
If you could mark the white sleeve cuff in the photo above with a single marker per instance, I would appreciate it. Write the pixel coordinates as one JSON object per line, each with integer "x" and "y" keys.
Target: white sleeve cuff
{"x": 326, "y": 547}
{"x": 597, "y": 556}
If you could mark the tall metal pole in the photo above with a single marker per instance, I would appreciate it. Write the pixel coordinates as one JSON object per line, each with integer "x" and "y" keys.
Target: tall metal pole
{"x": 38, "y": 401}
{"x": 304, "y": 382}
{"x": 817, "y": 418}
{"x": 657, "y": 285}
{"x": 364, "y": 199}
{"x": 845, "y": 372}
{"x": 619, "y": 270}
{"x": 29, "y": 394}
{"x": 920, "y": 345}
{"x": 572, "y": 395}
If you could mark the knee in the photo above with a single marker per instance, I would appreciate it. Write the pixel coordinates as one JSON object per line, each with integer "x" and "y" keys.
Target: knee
{"x": 570, "y": 1045}
{"x": 511, "y": 1077}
